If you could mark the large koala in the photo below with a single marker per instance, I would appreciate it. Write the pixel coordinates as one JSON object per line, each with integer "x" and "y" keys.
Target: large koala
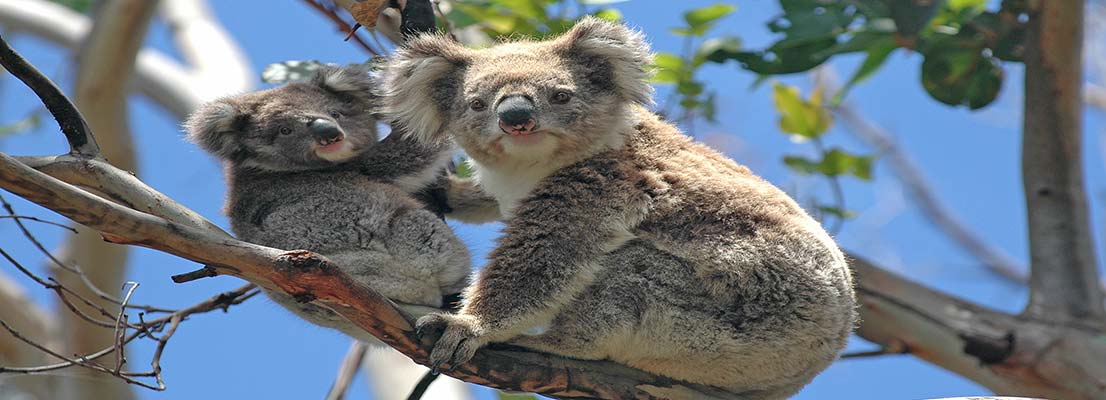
{"x": 305, "y": 171}
{"x": 624, "y": 240}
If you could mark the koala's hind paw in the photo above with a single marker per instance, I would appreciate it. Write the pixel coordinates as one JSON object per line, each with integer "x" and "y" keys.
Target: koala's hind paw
{"x": 459, "y": 341}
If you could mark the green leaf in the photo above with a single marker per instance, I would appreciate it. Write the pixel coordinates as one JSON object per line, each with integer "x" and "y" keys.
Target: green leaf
{"x": 911, "y": 16}
{"x": 669, "y": 68}
{"x": 806, "y": 119}
{"x": 710, "y": 107}
{"x": 837, "y": 162}
{"x": 837, "y": 212}
{"x": 957, "y": 5}
{"x": 289, "y": 71}
{"x": 962, "y": 77}
{"x": 689, "y": 88}
{"x": 609, "y": 14}
{"x": 701, "y": 19}
{"x": 81, "y": 6}
{"x": 717, "y": 50}
{"x": 786, "y": 57}
{"x": 801, "y": 165}
{"x": 526, "y": 8}
{"x": 877, "y": 54}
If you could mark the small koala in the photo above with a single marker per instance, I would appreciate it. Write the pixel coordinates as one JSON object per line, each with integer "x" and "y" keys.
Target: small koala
{"x": 305, "y": 170}
{"x": 624, "y": 239}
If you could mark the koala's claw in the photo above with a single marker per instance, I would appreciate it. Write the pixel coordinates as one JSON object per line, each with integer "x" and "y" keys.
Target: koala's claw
{"x": 458, "y": 343}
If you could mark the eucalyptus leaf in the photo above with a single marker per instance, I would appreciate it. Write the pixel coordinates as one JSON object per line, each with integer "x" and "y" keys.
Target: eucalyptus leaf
{"x": 290, "y": 71}
{"x": 806, "y": 119}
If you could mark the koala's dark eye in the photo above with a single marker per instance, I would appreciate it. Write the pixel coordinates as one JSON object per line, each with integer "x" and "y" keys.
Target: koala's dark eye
{"x": 284, "y": 130}
{"x": 561, "y": 97}
{"x": 335, "y": 114}
{"x": 478, "y": 105}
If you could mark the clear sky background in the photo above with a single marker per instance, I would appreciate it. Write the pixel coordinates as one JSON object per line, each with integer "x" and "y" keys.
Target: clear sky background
{"x": 260, "y": 351}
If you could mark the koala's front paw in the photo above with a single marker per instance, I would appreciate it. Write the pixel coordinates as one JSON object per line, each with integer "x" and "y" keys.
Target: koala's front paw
{"x": 459, "y": 341}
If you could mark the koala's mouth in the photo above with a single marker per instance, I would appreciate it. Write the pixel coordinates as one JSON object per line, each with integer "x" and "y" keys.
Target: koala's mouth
{"x": 528, "y": 128}
{"x": 330, "y": 141}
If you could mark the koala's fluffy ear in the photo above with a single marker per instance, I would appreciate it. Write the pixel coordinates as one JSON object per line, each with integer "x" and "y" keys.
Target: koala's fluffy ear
{"x": 214, "y": 127}
{"x": 624, "y": 49}
{"x": 420, "y": 83}
{"x": 351, "y": 80}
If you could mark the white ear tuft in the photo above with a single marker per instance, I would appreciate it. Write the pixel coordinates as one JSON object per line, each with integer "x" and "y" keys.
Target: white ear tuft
{"x": 623, "y": 48}
{"x": 345, "y": 79}
{"x": 418, "y": 83}
{"x": 213, "y": 125}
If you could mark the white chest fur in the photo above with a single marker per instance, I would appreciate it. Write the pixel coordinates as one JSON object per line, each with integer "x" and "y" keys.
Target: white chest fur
{"x": 509, "y": 185}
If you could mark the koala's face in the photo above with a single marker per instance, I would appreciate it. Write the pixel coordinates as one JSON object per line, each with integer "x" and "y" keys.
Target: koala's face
{"x": 523, "y": 101}
{"x": 299, "y": 126}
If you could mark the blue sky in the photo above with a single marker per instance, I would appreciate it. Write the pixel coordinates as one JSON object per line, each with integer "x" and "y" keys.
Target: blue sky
{"x": 260, "y": 351}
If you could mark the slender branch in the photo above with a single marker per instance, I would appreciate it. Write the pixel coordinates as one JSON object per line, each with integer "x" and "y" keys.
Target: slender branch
{"x": 347, "y": 370}
{"x": 332, "y": 14}
{"x": 145, "y": 329}
{"x": 39, "y": 220}
{"x": 1063, "y": 270}
{"x": 922, "y": 194}
{"x": 69, "y": 119}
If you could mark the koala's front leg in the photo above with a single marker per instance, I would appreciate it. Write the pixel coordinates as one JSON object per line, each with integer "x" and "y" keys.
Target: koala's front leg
{"x": 545, "y": 258}
{"x": 468, "y": 202}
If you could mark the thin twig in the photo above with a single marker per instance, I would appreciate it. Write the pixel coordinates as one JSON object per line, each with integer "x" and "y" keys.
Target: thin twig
{"x": 69, "y": 119}
{"x": 70, "y": 268}
{"x": 206, "y": 272}
{"x": 835, "y": 187}
{"x": 31, "y": 237}
{"x": 145, "y": 329}
{"x": 341, "y": 23}
{"x": 120, "y": 327}
{"x": 921, "y": 192}
{"x": 39, "y": 220}
{"x": 348, "y": 369}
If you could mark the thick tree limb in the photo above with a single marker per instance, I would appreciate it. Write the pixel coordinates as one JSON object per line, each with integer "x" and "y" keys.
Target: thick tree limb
{"x": 1007, "y": 354}
{"x": 309, "y": 276}
{"x": 1064, "y": 273}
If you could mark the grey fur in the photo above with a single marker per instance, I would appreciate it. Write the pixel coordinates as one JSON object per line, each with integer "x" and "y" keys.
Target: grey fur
{"x": 624, "y": 239}
{"x": 353, "y": 204}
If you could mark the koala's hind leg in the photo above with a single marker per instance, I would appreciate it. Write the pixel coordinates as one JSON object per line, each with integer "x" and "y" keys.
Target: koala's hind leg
{"x": 426, "y": 244}
{"x": 647, "y": 311}
{"x": 389, "y": 275}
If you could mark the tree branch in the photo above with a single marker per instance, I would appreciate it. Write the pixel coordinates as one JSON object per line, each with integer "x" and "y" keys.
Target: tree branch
{"x": 1063, "y": 269}
{"x": 309, "y": 276}
{"x": 69, "y": 119}
{"x": 347, "y": 371}
{"x": 1007, "y": 354}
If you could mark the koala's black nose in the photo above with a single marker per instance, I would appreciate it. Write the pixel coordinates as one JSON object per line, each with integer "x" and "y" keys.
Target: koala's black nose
{"x": 325, "y": 131}
{"x": 516, "y": 111}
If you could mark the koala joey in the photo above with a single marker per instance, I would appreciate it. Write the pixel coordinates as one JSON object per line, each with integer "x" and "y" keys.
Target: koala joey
{"x": 304, "y": 170}
{"x": 624, "y": 239}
